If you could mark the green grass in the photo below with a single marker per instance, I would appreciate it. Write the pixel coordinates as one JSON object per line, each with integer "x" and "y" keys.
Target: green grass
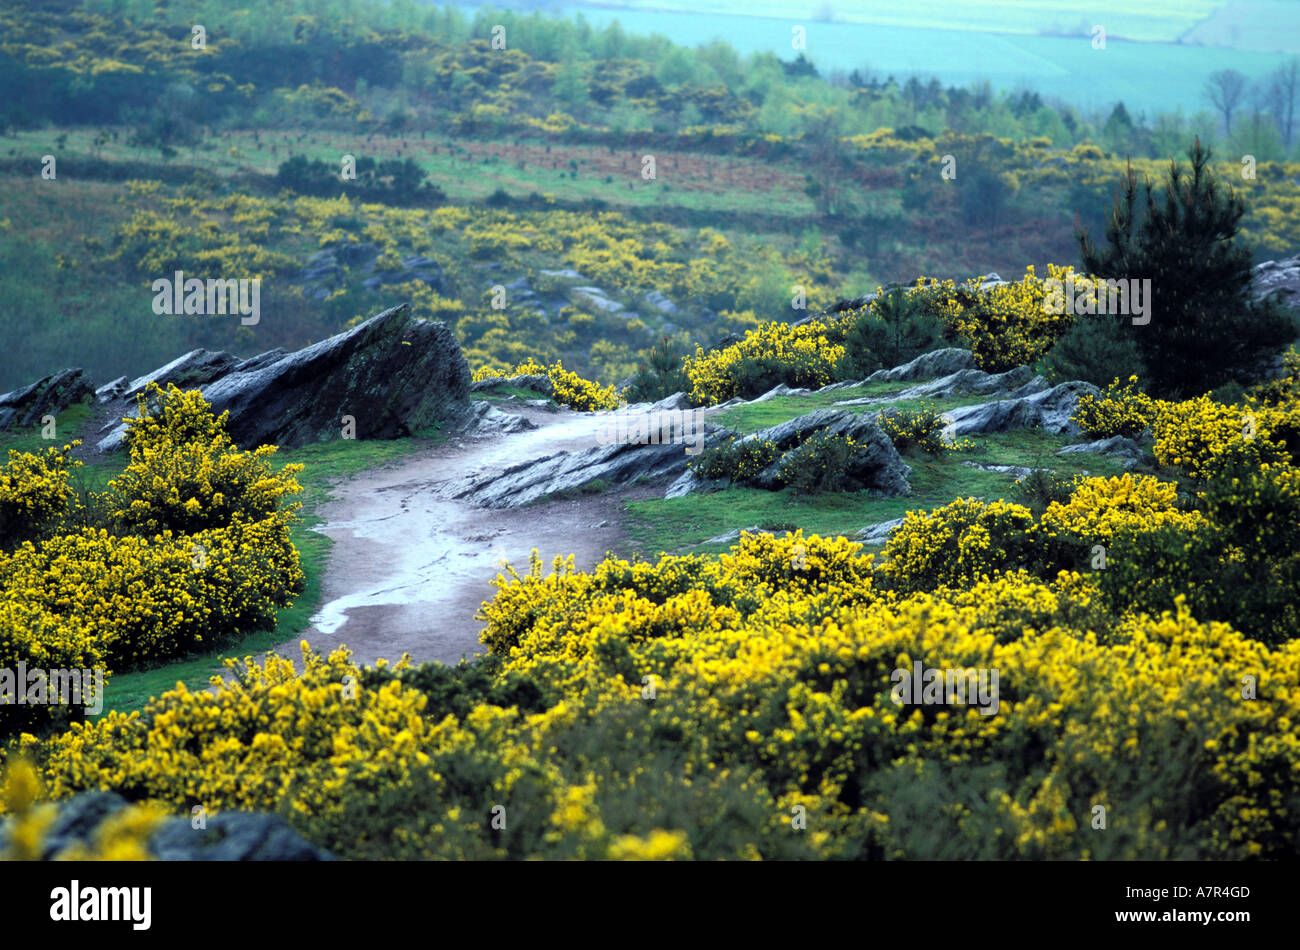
{"x": 681, "y": 525}
{"x": 67, "y": 427}
{"x": 752, "y": 418}
{"x": 326, "y": 463}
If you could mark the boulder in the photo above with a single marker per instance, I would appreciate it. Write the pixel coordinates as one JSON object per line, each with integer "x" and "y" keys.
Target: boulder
{"x": 876, "y": 466}
{"x": 113, "y": 389}
{"x": 659, "y": 302}
{"x": 47, "y": 396}
{"x": 483, "y": 420}
{"x": 930, "y": 365}
{"x": 594, "y": 297}
{"x": 537, "y": 383}
{"x": 1048, "y": 408}
{"x": 196, "y": 368}
{"x": 392, "y": 374}
{"x": 228, "y": 836}
{"x": 1278, "y": 277}
{"x": 619, "y": 463}
{"x": 878, "y": 533}
{"x": 233, "y": 836}
{"x": 1014, "y": 383}
{"x": 1118, "y": 447}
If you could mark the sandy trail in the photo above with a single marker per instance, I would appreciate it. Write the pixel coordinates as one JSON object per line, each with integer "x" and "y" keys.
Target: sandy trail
{"x": 410, "y": 566}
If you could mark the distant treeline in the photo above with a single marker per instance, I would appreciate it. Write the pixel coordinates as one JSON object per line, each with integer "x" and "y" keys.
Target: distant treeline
{"x": 398, "y": 67}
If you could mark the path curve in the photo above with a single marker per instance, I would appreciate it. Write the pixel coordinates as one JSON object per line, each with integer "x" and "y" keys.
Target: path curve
{"x": 410, "y": 565}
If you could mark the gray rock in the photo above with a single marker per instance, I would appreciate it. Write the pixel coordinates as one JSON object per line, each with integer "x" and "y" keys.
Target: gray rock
{"x": 876, "y": 466}
{"x": 260, "y": 360}
{"x": 1280, "y": 277}
{"x": 567, "y": 273}
{"x": 536, "y": 383}
{"x": 878, "y": 533}
{"x": 196, "y": 368}
{"x": 1117, "y": 446}
{"x": 780, "y": 389}
{"x": 1014, "y": 383}
{"x": 113, "y": 389}
{"x": 484, "y": 419}
{"x": 1017, "y": 470}
{"x": 229, "y": 836}
{"x": 688, "y": 482}
{"x": 1049, "y": 408}
{"x": 661, "y": 303}
{"x": 563, "y": 472}
{"x": 47, "y": 396}
{"x": 594, "y": 297}
{"x": 930, "y": 365}
{"x": 733, "y": 536}
{"x": 234, "y": 836}
{"x": 393, "y": 374}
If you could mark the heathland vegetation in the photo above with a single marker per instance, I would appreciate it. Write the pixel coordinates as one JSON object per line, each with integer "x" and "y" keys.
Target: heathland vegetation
{"x": 712, "y": 698}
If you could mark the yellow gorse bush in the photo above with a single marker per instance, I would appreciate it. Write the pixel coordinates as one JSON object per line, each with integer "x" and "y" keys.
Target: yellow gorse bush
{"x": 1121, "y": 409}
{"x": 1099, "y": 507}
{"x": 761, "y": 679}
{"x": 797, "y": 356}
{"x": 568, "y": 389}
{"x": 35, "y": 492}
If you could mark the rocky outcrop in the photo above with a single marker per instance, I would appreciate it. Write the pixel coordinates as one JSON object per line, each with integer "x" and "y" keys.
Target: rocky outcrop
{"x": 327, "y": 270}
{"x": 1117, "y": 447}
{"x": 567, "y": 472}
{"x": 392, "y": 374}
{"x": 228, "y": 836}
{"x": 1278, "y": 277}
{"x": 930, "y": 365}
{"x": 878, "y": 533}
{"x": 1049, "y": 408}
{"x": 537, "y": 383}
{"x": 196, "y": 368}
{"x": 45, "y": 397}
{"x": 876, "y": 466}
{"x": 1013, "y": 384}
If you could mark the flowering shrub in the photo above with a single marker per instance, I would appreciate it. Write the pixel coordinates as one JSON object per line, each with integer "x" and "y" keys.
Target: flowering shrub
{"x": 34, "y": 493}
{"x": 1120, "y": 410}
{"x": 1099, "y": 507}
{"x": 694, "y": 720}
{"x": 185, "y": 473}
{"x": 767, "y": 356}
{"x": 123, "y": 836}
{"x": 739, "y": 461}
{"x": 210, "y": 554}
{"x": 568, "y": 389}
{"x": 920, "y": 428}
{"x": 1004, "y": 325}
{"x": 1199, "y": 435}
{"x": 959, "y": 543}
{"x": 146, "y": 599}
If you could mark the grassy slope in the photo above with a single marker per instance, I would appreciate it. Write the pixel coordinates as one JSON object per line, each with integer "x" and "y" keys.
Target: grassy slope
{"x": 680, "y": 525}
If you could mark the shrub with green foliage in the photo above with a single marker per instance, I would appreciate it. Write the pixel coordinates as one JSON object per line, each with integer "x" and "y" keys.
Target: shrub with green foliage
{"x": 920, "y": 428}
{"x": 818, "y": 464}
{"x": 737, "y": 460}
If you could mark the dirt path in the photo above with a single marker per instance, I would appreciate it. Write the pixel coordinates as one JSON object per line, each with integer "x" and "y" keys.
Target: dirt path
{"x": 410, "y": 566}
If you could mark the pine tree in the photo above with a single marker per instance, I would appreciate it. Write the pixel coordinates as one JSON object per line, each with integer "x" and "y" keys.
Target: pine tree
{"x": 1204, "y": 328}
